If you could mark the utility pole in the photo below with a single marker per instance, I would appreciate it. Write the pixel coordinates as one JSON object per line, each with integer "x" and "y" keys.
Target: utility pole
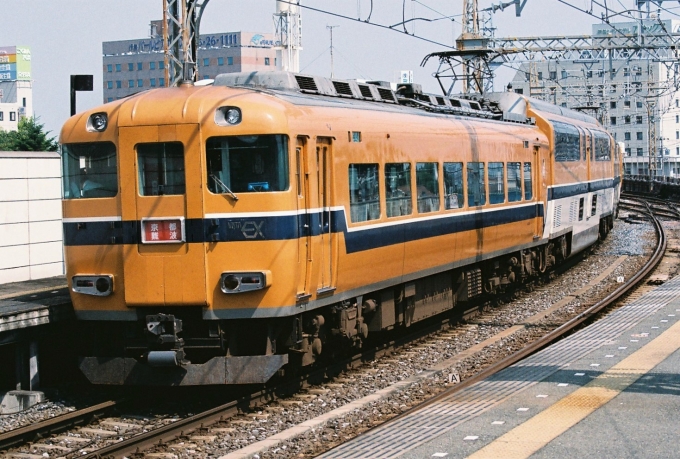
{"x": 331, "y": 29}
{"x": 181, "y": 21}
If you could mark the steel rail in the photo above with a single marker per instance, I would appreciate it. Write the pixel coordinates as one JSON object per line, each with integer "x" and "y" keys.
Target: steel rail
{"x": 16, "y": 437}
{"x": 171, "y": 432}
{"x": 558, "y": 333}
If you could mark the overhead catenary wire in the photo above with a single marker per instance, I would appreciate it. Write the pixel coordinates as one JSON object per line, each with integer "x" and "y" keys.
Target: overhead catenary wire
{"x": 382, "y": 26}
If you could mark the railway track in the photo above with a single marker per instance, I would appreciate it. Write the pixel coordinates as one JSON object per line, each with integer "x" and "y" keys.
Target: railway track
{"x": 131, "y": 442}
{"x": 581, "y": 319}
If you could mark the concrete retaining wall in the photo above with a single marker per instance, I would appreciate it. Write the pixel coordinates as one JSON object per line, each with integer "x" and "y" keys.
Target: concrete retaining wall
{"x": 31, "y": 234}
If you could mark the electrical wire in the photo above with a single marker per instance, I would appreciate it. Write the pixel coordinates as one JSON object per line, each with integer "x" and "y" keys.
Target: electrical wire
{"x": 381, "y": 26}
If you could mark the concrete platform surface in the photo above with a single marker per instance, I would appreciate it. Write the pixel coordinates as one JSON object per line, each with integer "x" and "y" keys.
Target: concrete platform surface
{"x": 14, "y": 289}
{"x": 609, "y": 390}
{"x": 32, "y": 303}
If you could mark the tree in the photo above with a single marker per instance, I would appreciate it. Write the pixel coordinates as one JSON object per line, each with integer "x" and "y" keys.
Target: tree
{"x": 30, "y": 136}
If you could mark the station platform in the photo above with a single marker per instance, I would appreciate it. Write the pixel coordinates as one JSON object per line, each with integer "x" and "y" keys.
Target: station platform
{"x": 31, "y": 303}
{"x": 28, "y": 311}
{"x": 610, "y": 390}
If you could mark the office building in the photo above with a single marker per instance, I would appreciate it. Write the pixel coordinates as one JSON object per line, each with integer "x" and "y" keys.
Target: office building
{"x": 16, "y": 87}
{"x": 131, "y": 66}
{"x": 624, "y": 94}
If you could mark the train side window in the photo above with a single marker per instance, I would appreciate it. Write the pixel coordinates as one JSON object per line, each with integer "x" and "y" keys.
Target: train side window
{"x": 567, "y": 142}
{"x": 90, "y": 170}
{"x": 453, "y": 185}
{"x": 602, "y": 147}
{"x": 528, "y": 190}
{"x": 580, "y": 209}
{"x": 161, "y": 168}
{"x": 247, "y": 164}
{"x": 364, "y": 192}
{"x": 583, "y": 144}
{"x": 514, "y": 182}
{"x": 496, "y": 183}
{"x": 398, "y": 189}
{"x": 476, "y": 188}
{"x": 593, "y": 206}
{"x": 427, "y": 184}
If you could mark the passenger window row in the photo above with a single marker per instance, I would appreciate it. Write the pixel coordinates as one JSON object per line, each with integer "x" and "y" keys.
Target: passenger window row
{"x": 570, "y": 144}
{"x": 365, "y": 187}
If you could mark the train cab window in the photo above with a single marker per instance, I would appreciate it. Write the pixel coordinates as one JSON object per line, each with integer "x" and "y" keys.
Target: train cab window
{"x": 427, "y": 184}
{"x": 476, "y": 188}
{"x": 453, "y": 185}
{"x": 364, "y": 192}
{"x": 567, "y": 142}
{"x": 247, "y": 164}
{"x": 161, "y": 168}
{"x": 602, "y": 146}
{"x": 496, "y": 183}
{"x": 90, "y": 170}
{"x": 528, "y": 191}
{"x": 514, "y": 182}
{"x": 398, "y": 189}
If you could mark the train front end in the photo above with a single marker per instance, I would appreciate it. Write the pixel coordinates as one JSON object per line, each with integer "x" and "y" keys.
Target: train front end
{"x": 164, "y": 197}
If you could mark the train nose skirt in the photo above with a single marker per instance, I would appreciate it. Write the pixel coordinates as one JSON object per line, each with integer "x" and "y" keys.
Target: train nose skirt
{"x": 255, "y": 369}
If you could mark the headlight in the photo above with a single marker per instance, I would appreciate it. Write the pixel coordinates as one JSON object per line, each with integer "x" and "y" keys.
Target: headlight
{"x": 97, "y": 122}
{"x": 245, "y": 282}
{"x": 233, "y": 116}
{"x": 228, "y": 116}
{"x": 97, "y": 285}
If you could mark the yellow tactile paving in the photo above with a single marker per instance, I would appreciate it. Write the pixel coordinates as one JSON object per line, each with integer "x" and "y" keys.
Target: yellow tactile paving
{"x": 529, "y": 437}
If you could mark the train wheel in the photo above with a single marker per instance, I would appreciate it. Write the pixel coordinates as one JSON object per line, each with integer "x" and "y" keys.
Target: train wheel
{"x": 604, "y": 229}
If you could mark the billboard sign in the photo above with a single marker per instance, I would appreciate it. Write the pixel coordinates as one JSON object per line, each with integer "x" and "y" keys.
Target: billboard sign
{"x": 15, "y": 63}
{"x": 406, "y": 76}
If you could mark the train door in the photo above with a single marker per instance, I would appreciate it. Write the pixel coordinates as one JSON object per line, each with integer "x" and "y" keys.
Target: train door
{"x": 543, "y": 178}
{"x": 304, "y": 222}
{"x": 161, "y": 188}
{"x": 325, "y": 181}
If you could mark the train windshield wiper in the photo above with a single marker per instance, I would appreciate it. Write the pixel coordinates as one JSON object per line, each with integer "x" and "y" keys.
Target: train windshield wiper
{"x": 224, "y": 187}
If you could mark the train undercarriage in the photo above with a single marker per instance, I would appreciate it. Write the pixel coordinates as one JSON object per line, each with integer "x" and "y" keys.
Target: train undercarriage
{"x": 177, "y": 347}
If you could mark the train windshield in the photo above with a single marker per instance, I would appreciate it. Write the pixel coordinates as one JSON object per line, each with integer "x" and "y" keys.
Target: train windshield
{"x": 247, "y": 164}
{"x": 89, "y": 170}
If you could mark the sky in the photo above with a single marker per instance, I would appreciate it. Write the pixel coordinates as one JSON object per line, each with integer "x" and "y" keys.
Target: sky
{"x": 66, "y": 37}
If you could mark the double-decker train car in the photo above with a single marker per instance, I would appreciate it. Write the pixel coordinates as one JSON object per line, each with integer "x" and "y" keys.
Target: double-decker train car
{"x": 222, "y": 233}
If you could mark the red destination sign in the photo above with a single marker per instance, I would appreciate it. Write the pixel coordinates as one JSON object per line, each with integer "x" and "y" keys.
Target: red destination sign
{"x": 162, "y": 231}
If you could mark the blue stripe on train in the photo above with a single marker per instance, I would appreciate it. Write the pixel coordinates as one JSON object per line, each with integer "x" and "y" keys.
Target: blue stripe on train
{"x": 566, "y": 191}
{"x": 294, "y": 226}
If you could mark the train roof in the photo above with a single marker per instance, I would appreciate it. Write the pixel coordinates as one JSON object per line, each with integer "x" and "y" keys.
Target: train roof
{"x": 316, "y": 90}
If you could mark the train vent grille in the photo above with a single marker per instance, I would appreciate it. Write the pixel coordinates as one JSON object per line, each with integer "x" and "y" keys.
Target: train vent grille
{"x": 557, "y": 221}
{"x": 386, "y": 95}
{"x": 343, "y": 88}
{"x": 474, "y": 282}
{"x": 365, "y": 91}
{"x": 572, "y": 211}
{"x": 306, "y": 83}
{"x": 440, "y": 101}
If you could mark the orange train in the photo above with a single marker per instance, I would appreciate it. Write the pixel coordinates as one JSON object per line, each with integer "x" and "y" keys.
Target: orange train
{"x": 221, "y": 233}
